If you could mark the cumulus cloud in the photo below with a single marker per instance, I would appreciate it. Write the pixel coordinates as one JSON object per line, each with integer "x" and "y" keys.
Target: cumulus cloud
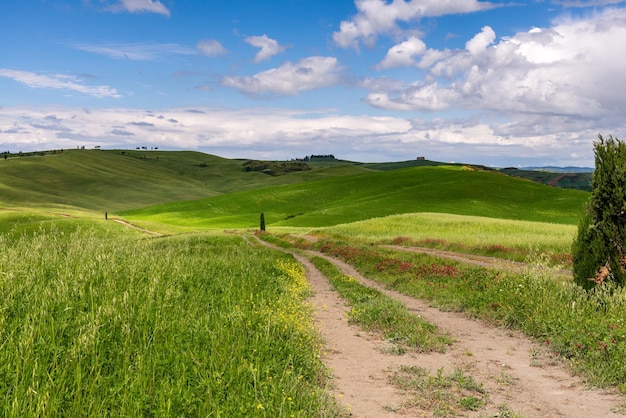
{"x": 403, "y": 54}
{"x": 136, "y": 51}
{"x": 139, "y": 6}
{"x": 269, "y": 47}
{"x": 561, "y": 70}
{"x": 479, "y": 43}
{"x": 211, "y": 48}
{"x": 58, "y": 81}
{"x": 290, "y": 78}
{"x": 376, "y": 17}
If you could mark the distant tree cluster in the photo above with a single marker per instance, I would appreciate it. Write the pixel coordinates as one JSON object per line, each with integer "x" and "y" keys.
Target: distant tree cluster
{"x": 275, "y": 168}
{"x": 7, "y": 154}
{"x": 319, "y": 157}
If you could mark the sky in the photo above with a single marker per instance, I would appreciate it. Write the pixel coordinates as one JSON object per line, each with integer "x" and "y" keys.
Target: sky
{"x": 499, "y": 83}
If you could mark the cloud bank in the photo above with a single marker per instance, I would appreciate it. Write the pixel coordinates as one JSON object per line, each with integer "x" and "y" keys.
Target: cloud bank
{"x": 288, "y": 133}
{"x": 542, "y": 80}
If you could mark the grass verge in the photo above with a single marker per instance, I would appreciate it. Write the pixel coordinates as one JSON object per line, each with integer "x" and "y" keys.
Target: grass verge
{"x": 508, "y": 239}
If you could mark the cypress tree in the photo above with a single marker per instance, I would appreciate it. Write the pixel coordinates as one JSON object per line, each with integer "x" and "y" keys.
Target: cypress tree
{"x": 598, "y": 250}
{"x": 262, "y": 222}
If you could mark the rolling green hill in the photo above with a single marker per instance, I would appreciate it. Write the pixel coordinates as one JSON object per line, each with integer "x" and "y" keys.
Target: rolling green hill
{"x": 336, "y": 200}
{"x": 196, "y": 191}
{"x": 117, "y": 180}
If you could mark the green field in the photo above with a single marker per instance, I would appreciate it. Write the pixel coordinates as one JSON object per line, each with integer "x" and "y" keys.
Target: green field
{"x": 94, "y": 323}
{"x": 97, "y": 318}
{"x": 358, "y": 197}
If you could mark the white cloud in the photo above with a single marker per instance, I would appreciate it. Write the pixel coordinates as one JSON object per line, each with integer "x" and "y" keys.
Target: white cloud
{"x": 288, "y": 133}
{"x": 572, "y": 68}
{"x": 211, "y": 48}
{"x": 269, "y": 47}
{"x": 284, "y": 133}
{"x": 290, "y": 78}
{"x": 403, "y": 54}
{"x": 432, "y": 56}
{"x": 376, "y": 17}
{"x": 136, "y": 51}
{"x": 381, "y": 84}
{"x": 58, "y": 81}
{"x": 418, "y": 97}
{"x": 479, "y": 43}
{"x": 140, "y": 6}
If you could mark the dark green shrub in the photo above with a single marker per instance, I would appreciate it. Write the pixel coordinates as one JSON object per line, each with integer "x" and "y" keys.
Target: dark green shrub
{"x": 588, "y": 250}
{"x": 598, "y": 250}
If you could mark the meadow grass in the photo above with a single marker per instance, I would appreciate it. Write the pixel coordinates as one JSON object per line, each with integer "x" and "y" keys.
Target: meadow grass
{"x": 585, "y": 328}
{"x": 18, "y": 221}
{"x": 203, "y": 325}
{"x": 508, "y": 239}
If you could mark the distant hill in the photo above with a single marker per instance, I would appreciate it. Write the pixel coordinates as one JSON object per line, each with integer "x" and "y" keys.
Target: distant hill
{"x": 210, "y": 191}
{"x": 121, "y": 179}
{"x": 566, "y": 177}
{"x": 555, "y": 169}
{"x": 335, "y": 200}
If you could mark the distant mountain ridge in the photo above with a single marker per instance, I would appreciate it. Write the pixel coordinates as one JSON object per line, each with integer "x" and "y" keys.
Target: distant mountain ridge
{"x": 568, "y": 169}
{"x": 578, "y": 178}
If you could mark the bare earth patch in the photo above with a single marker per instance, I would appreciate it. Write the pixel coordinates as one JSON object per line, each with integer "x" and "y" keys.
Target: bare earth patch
{"x": 518, "y": 376}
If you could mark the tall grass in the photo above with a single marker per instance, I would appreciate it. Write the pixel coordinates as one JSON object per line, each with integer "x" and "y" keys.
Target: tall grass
{"x": 189, "y": 326}
{"x": 512, "y": 239}
{"x": 16, "y": 222}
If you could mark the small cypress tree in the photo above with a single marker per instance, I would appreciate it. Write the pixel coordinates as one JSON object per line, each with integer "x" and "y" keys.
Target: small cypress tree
{"x": 262, "y": 222}
{"x": 598, "y": 251}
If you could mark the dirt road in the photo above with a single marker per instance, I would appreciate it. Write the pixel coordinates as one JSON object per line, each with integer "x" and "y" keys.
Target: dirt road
{"x": 520, "y": 377}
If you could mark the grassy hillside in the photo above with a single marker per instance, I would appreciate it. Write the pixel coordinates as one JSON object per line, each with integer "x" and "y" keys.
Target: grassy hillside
{"x": 569, "y": 180}
{"x": 337, "y": 200}
{"x": 116, "y": 180}
{"x": 196, "y": 191}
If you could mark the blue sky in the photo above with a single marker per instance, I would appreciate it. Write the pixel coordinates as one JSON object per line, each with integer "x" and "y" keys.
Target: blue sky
{"x": 500, "y": 83}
